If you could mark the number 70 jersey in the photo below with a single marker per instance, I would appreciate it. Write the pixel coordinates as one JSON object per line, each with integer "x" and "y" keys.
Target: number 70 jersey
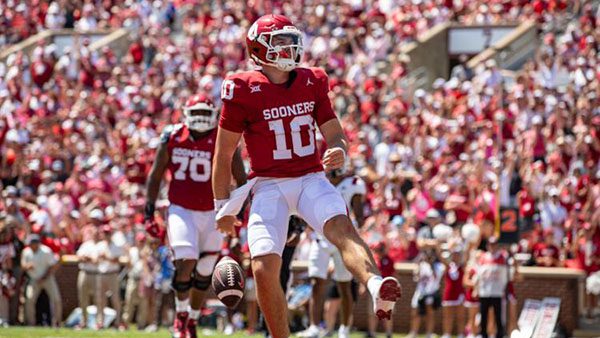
{"x": 190, "y": 163}
{"x": 278, "y": 121}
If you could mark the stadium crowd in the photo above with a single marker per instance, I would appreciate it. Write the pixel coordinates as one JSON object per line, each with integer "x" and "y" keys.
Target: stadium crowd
{"x": 79, "y": 130}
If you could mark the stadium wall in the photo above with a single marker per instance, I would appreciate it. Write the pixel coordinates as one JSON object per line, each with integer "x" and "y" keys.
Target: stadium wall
{"x": 537, "y": 283}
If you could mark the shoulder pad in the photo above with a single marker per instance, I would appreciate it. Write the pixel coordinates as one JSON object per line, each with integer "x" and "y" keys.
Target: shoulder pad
{"x": 168, "y": 131}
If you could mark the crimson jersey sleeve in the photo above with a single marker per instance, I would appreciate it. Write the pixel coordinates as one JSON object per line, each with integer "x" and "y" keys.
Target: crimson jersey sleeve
{"x": 324, "y": 110}
{"x": 233, "y": 115}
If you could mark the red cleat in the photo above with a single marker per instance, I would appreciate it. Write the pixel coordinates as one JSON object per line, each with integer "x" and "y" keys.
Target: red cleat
{"x": 180, "y": 325}
{"x": 387, "y": 296}
{"x": 191, "y": 328}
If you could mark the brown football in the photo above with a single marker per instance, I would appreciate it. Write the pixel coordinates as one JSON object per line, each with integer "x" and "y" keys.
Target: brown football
{"x": 228, "y": 282}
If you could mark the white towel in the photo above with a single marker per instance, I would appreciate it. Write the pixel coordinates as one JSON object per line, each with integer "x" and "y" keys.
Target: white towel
{"x": 236, "y": 200}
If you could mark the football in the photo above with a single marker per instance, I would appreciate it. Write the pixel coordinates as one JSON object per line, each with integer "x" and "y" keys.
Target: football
{"x": 228, "y": 282}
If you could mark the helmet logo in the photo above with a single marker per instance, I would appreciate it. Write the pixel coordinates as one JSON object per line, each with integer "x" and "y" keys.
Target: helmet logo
{"x": 253, "y": 31}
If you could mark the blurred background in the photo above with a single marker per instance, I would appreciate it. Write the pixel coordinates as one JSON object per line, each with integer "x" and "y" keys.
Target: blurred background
{"x": 459, "y": 113}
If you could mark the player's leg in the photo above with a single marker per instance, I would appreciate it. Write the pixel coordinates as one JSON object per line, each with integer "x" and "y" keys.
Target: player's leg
{"x": 270, "y": 295}
{"x": 267, "y": 235}
{"x": 183, "y": 238}
{"x": 200, "y": 284}
{"x": 322, "y": 206}
{"x": 210, "y": 246}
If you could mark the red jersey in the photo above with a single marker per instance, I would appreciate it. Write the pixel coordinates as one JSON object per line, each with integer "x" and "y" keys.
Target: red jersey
{"x": 190, "y": 163}
{"x": 278, "y": 120}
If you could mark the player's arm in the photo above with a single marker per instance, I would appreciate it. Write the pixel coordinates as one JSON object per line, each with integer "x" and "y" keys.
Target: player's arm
{"x": 357, "y": 203}
{"x": 335, "y": 155}
{"x": 153, "y": 186}
{"x": 237, "y": 168}
{"x": 227, "y": 142}
{"x": 225, "y": 149}
{"x": 156, "y": 174}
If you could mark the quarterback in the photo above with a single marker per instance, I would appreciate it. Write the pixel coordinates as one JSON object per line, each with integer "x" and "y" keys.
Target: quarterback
{"x": 187, "y": 151}
{"x": 277, "y": 110}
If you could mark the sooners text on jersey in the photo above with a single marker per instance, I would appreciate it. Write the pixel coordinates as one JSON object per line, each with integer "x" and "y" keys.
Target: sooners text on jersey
{"x": 190, "y": 163}
{"x": 278, "y": 121}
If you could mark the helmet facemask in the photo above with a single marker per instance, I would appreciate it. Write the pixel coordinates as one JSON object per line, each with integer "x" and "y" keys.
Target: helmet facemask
{"x": 200, "y": 118}
{"x": 284, "y": 48}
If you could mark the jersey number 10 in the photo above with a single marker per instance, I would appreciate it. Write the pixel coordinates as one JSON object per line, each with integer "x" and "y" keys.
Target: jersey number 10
{"x": 283, "y": 152}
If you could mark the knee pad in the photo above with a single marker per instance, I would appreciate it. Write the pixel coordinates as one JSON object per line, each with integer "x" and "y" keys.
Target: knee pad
{"x": 180, "y": 286}
{"x": 204, "y": 269}
{"x": 201, "y": 282}
{"x": 206, "y": 264}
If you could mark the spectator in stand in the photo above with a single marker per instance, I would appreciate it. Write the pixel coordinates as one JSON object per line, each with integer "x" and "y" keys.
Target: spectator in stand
{"x": 547, "y": 252}
{"x": 40, "y": 264}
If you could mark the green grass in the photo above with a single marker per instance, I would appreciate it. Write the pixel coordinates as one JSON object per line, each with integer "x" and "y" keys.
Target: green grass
{"x": 29, "y": 332}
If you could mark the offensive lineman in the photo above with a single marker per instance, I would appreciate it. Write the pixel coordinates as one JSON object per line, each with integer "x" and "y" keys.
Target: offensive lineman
{"x": 276, "y": 110}
{"x": 186, "y": 150}
{"x": 353, "y": 190}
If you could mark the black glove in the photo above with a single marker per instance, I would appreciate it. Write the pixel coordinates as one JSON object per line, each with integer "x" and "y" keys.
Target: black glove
{"x": 149, "y": 211}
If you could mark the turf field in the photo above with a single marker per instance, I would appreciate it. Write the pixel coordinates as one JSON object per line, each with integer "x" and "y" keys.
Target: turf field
{"x": 28, "y": 332}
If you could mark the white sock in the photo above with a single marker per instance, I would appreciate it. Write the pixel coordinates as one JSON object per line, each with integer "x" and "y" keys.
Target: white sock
{"x": 342, "y": 328}
{"x": 194, "y": 314}
{"x": 182, "y": 305}
{"x": 373, "y": 285}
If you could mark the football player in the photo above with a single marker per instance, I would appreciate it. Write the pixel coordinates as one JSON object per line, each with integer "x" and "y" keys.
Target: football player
{"x": 187, "y": 151}
{"x": 276, "y": 109}
{"x": 353, "y": 189}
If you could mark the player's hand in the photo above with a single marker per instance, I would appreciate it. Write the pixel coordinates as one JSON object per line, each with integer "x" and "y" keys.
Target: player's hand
{"x": 226, "y": 225}
{"x": 334, "y": 158}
